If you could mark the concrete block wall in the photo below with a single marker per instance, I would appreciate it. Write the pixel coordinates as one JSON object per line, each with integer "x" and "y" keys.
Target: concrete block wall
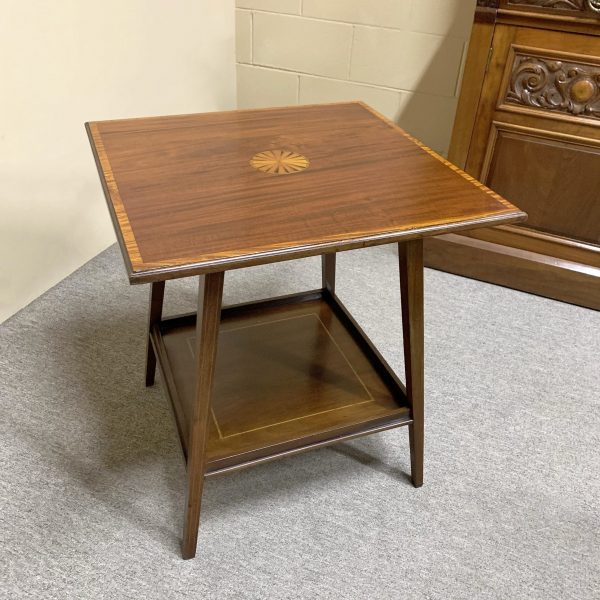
{"x": 403, "y": 57}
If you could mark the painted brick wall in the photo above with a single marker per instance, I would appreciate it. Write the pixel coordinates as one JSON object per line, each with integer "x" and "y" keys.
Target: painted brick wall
{"x": 403, "y": 57}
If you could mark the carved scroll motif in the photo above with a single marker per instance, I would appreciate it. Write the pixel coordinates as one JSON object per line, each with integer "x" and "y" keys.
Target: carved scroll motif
{"x": 555, "y": 85}
{"x": 578, "y": 5}
{"x": 564, "y": 4}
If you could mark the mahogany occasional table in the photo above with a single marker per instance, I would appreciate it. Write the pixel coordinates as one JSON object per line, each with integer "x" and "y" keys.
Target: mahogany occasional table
{"x": 201, "y": 194}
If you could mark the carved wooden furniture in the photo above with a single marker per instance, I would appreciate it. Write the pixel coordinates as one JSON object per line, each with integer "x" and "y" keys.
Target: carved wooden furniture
{"x": 528, "y": 126}
{"x": 201, "y": 194}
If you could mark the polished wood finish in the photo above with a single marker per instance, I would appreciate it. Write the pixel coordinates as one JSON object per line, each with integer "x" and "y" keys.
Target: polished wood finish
{"x": 551, "y": 15}
{"x": 535, "y": 139}
{"x": 279, "y": 162}
{"x": 290, "y": 372}
{"x": 533, "y": 241}
{"x": 328, "y": 262}
{"x": 475, "y": 68}
{"x": 200, "y": 194}
{"x": 536, "y": 166}
{"x": 411, "y": 289}
{"x": 524, "y": 270}
{"x": 582, "y": 10}
{"x": 210, "y": 293}
{"x": 222, "y": 213}
{"x": 157, "y": 294}
{"x": 552, "y": 84}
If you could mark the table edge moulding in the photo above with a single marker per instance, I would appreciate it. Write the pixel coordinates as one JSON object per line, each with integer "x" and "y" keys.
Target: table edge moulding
{"x": 140, "y": 271}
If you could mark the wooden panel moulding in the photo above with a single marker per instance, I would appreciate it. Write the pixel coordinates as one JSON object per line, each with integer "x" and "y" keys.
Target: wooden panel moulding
{"x": 486, "y": 10}
{"x": 476, "y": 65}
{"x": 561, "y": 200}
{"x": 516, "y": 268}
{"x": 577, "y": 16}
{"x": 539, "y": 242}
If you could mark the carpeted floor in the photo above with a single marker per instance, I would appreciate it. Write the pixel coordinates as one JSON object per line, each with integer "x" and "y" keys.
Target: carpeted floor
{"x": 91, "y": 486}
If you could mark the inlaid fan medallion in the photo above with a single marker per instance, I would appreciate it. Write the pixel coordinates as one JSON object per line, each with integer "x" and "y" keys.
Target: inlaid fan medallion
{"x": 279, "y": 162}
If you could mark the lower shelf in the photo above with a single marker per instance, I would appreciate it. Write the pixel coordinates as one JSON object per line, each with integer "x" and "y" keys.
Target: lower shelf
{"x": 292, "y": 373}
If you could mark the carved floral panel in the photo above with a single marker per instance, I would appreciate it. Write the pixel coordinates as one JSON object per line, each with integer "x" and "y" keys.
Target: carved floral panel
{"x": 556, "y": 85}
{"x": 592, "y": 6}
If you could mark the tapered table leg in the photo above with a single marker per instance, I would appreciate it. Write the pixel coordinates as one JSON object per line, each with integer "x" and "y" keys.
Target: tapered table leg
{"x": 210, "y": 294}
{"x": 411, "y": 287}
{"x": 328, "y": 271}
{"x": 157, "y": 294}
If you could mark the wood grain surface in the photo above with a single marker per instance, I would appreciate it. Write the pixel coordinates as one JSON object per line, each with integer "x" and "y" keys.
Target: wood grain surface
{"x": 210, "y": 293}
{"x": 290, "y": 373}
{"x": 410, "y": 257}
{"x": 527, "y": 126}
{"x": 185, "y": 199}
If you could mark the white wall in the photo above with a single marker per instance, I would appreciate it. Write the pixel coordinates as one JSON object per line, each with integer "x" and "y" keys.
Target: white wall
{"x": 403, "y": 57}
{"x": 63, "y": 63}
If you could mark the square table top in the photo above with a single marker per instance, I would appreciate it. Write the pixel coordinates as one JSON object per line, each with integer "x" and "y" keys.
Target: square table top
{"x": 199, "y": 193}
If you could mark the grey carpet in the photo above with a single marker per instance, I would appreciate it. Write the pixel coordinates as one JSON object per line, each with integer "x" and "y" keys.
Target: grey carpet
{"x": 91, "y": 487}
